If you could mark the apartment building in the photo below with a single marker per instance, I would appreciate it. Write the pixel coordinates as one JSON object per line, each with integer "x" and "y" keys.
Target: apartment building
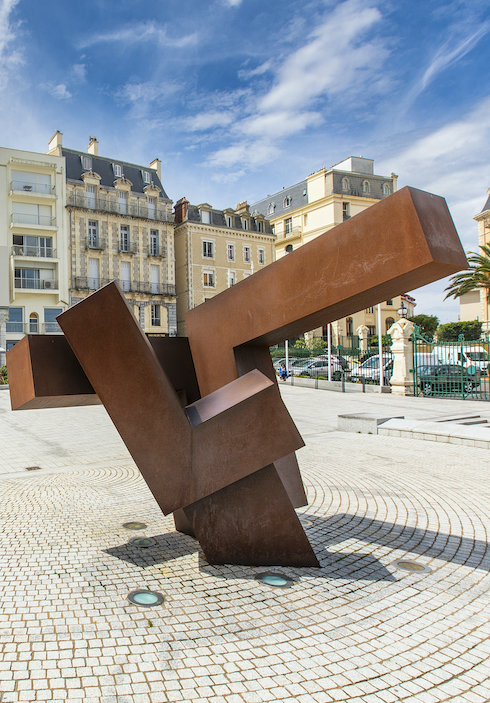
{"x": 215, "y": 249}
{"x": 120, "y": 227}
{"x": 299, "y": 213}
{"x": 33, "y": 245}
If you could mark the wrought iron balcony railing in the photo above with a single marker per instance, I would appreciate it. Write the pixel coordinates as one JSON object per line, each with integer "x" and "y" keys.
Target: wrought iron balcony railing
{"x": 95, "y": 243}
{"x": 133, "y": 209}
{"x": 35, "y": 283}
{"x": 92, "y": 283}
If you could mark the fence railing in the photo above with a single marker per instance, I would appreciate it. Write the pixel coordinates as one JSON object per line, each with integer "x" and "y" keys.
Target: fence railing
{"x": 111, "y": 205}
{"x": 35, "y": 283}
{"x": 25, "y": 219}
{"x": 44, "y": 188}
{"x": 92, "y": 283}
{"x": 40, "y": 252}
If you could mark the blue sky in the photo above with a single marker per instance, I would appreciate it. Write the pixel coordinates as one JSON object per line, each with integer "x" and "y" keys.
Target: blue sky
{"x": 241, "y": 97}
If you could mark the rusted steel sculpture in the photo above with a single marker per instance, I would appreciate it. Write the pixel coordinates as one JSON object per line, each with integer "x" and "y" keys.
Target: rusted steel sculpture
{"x": 225, "y": 463}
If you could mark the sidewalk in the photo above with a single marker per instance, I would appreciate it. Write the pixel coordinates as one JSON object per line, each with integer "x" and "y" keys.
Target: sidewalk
{"x": 359, "y": 629}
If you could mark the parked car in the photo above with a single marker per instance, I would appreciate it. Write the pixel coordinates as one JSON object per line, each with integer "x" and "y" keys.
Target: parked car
{"x": 369, "y": 370}
{"x": 313, "y": 368}
{"x": 446, "y": 378}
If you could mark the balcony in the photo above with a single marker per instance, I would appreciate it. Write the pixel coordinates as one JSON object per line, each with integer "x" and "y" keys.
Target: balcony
{"x": 40, "y": 252}
{"x": 34, "y": 327}
{"x": 95, "y": 243}
{"x": 35, "y": 284}
{"x": 90, "y": 283}
{"x": 127, "y": 248}
{"x": 134, "y": 209}
{"x": 24, "y": 219}
{"x": 291, "y": 233}
{"x": 156, "y": 251}
{"x": 22, "y": 186}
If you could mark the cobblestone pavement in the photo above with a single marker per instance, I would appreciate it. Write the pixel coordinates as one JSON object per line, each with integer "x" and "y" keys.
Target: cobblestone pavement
{"x": 358, "y": 629}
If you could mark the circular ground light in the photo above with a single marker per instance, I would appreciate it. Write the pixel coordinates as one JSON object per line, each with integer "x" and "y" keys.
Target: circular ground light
{"x": 147, "y": 599}
{"x": 134, "y": 525}
{"x": 142, "y": 542}
{"x": 275, "y": 580}
{"x": 412, "y": 566}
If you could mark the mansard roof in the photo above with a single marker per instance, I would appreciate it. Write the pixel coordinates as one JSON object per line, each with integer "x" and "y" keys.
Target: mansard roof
{"x": 104, "y": 166}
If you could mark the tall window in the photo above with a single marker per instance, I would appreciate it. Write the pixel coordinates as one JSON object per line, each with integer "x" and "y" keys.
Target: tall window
{"x": 117, "y": 171}
{"x": 270, "y": 209}
{"x": 50, "y": 324}
{"x": 90, "y": 197}
{"x": 146, "y": 177}
{"x": 247, "y": 255}
{"x": 261, "y": 253}
{"x": 208, "y": 279}
{"x": 345, "y": 184}
{"x": 33, "y": 323}
{"x": 260, "y": 226}
{"x": 366, "y": 188}
{"x": 125, "y": 275}
{"x": 386, "y": 189}
{"x": 124, "y": 240}
{"x": 122, "y": 202}
{"x": 229, "y": 221}
{"x": 87, "y": 162}
{"x": 231, "y": 252}
{"x": 345, "y": 211}
{"x": 16, "y": 320}
{"x": 156, "y": 320}
{"x": 93, "y": 274}
{"x": 389, "y": 322}
{"x": 206, "y": 217}
{"x": 245, "y": 224}
{"x": 208, "y": 249}
{"x": 93, "y": 234}
{"x": 288, "y": 225}
{"x": 155, "y": 279}
{"x": 154, "y": 248}
{"x": 349, "y": 326}
{"x": 231, "y": 278}
{"x": 287, "y": 201}
{"x": 152, "y": 206}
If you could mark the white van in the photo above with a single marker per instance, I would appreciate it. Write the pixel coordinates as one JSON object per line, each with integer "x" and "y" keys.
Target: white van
{"x": 467, "y": 355}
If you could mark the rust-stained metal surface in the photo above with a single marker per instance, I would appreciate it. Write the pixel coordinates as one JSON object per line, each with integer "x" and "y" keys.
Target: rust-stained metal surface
{"x": 44, "y": 373}
{"x": 253, "y": 520}
{"x": 225, "y": 463}
{"x": 402, "y": 242}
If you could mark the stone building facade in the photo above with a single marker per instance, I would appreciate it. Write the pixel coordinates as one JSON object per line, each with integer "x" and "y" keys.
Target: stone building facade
{"x": 303, "y": 211}
{"x": 33, "y": 246}
{"x": 120, "y": 227}
{"x": 215, "y": 249}
{"x": 475, "y": 305}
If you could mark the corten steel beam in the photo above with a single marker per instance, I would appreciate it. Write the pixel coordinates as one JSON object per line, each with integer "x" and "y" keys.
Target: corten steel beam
{"x": 44, "y": 373}
{"x": 400, "y": 243}
{"x": 235, "y": 431}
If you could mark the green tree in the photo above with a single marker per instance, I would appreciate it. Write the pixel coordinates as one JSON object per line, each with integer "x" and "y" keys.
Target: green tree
{"x": 476, "y": 276}
{"x": 450, "y": 332}
{"x": 427, "y": 323}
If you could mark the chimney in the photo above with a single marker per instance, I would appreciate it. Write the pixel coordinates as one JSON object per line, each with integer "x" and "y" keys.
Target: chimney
{"x": 55, "y": 144}
{"x": 93, "y": 147}
{"x": 156, "y": 166}
{"x": 180, "y": 209}
{"x": 243, "y": 208}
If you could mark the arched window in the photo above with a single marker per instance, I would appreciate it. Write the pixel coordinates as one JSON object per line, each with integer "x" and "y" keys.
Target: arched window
{"x": 366, "y": 188}
{"x": 386, "y": 189}
{"x": 345, "y": 184}
{"x": 271, "y": 208}
{"x": 33, "y": 323}
{"x": 389, "y": 322}
{"x": 287, "y": 201}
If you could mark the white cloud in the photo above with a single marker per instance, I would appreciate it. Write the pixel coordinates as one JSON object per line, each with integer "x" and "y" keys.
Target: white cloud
{"x": 9, "y": 58}
{"x": 232, "y": 3}
{"x": 334, "y": 60}
{"x": 143, "y": 31}
{"x": 277, "y": 125}
{"x": 253, "y": 153}
{"x": 451, "y": 161}
{"x": 245, "y": 73}
{"x": 446, "y": 56}
{"x": 60, "y": 91}
{"x": 146, "y": 92}
{"x": 79, "y": 72}
{"x": 208, "y": 120}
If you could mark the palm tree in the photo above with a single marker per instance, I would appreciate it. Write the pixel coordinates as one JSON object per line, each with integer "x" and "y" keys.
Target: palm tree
{"x": 476, "y": 277}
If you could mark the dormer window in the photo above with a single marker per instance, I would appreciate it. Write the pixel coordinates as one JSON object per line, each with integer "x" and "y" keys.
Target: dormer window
{"x": 271, "y": 208}
{"x": 386, "y": 189}
{"x": 117, "y": 170}
{"x": 146, "y": 177}
{"x": 366, "y": 188}
{"x": 345, "y": 184}
{"x": 287, "y": 201}
{"x": 87, "y": 163}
